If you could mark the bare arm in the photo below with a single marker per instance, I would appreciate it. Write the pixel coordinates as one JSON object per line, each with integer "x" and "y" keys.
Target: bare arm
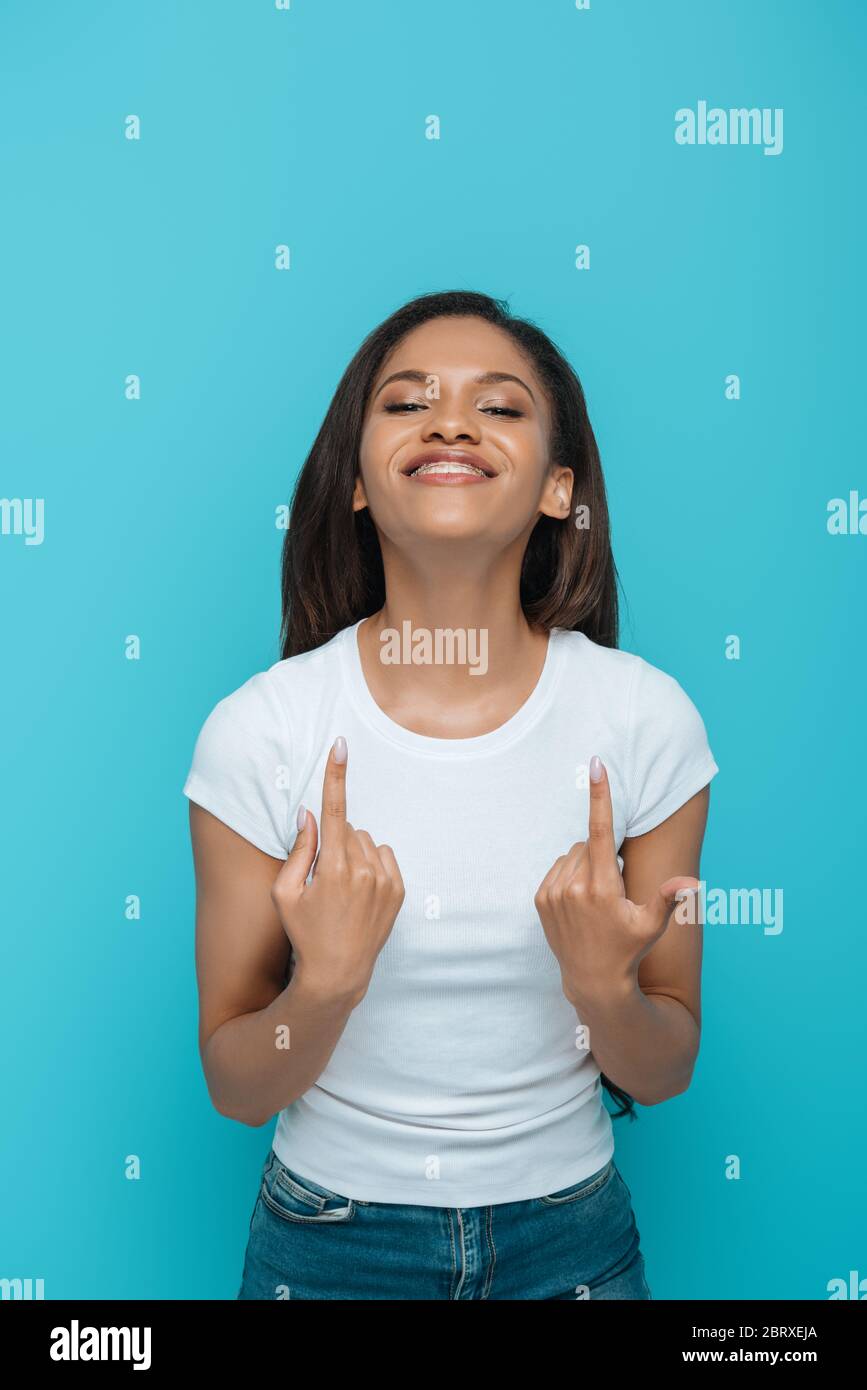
{"x": 247, "y": 1014}
{"x": 631, "y": 970}
{"x": 646, "y": 1041}
{"x": 241, "y": 956}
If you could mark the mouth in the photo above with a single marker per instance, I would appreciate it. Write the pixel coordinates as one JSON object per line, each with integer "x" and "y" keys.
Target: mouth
{"x": 449, "y": 466}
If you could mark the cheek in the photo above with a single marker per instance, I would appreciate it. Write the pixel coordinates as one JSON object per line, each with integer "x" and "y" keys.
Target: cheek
{"x": 526, "y": 445}
{"x": 381, "y": 438}
{"x": 530, "y": 474}
{"x": 372, "y": 460}
{"x": 375, "y": 453}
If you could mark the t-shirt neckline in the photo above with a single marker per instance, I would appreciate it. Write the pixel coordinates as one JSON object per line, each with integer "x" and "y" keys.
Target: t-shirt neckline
{"x": 524, "y": 718}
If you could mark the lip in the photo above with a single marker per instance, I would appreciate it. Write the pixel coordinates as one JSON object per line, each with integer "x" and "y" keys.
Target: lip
{"x": 449, "y": 456}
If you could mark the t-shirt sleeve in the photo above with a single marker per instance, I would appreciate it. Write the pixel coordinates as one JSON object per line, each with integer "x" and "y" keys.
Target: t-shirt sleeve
{"x": 241, "y": 768}
{"x": 669, "y": 755}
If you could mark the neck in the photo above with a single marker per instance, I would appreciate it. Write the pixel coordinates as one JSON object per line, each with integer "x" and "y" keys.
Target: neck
{"x": 406, "y": 645}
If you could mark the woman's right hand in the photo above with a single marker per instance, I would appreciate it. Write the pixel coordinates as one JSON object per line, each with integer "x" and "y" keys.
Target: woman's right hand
{"x": 339, "y": 922}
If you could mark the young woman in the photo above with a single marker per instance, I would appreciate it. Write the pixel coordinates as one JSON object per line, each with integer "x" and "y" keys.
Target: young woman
{"x": 430, "y": 984}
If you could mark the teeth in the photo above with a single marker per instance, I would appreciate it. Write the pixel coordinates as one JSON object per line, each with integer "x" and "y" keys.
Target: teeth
{"x": 445, "y": 467}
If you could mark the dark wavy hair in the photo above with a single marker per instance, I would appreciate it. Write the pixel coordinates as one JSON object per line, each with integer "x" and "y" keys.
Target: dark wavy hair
{"x": 332, "y": 572}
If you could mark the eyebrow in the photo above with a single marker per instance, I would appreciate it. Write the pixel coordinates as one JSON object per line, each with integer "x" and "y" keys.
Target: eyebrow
{"x": 483, "y": 379}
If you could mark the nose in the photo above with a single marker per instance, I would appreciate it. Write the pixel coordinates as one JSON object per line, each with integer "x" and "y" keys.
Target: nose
{"x": 448, "y": 422}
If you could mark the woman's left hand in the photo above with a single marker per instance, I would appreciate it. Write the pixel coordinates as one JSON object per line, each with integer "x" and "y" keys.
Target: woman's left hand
{"x": 596, "y": 933}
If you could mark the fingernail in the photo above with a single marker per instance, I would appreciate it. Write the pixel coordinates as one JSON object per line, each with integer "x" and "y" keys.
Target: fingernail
{"x": 595, "y": 769}
{"x": 340, "y": 749}
{"x": 301, "y": 818}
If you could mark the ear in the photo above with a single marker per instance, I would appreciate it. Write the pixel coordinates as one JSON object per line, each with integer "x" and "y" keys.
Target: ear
{"x": 556, "y": 498}
{"x": 359, "y": 497}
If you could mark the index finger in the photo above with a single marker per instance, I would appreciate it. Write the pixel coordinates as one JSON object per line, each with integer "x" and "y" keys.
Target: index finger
{"x": 332, "y": 822}
{"x": 600, "y": 843}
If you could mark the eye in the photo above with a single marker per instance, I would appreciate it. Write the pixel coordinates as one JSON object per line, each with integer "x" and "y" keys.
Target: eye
{"x": 398, "y": 407}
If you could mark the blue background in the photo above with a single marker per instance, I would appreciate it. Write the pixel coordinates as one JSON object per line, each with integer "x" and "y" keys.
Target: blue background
{"x": 156, "y": 257}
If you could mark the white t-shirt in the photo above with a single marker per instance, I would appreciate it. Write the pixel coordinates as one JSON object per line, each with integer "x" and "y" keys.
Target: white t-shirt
{"x": 457, "y": 1080}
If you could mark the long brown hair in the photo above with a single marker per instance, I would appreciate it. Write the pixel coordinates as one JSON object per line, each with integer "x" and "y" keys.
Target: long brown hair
{"x": 332, "y": 572}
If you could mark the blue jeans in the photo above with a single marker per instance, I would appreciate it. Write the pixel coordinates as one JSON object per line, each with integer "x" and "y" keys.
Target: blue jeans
{"x": 306, "y": 1241}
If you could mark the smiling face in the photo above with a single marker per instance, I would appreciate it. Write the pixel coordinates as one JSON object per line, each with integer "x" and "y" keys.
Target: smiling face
{"x": 454, "y": 444}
